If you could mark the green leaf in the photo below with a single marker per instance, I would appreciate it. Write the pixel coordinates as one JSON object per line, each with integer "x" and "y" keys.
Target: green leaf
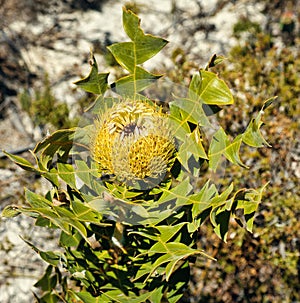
{"x": 83, "y": 171}
{"x": 249, "y": 202}
{"x": 214, "y": 60}
{"x": 178, "y": 193}
{"x": 252, "y": 136}
{"x": 191, "y": 111}
{"x": 59, "y": 142}
{"x": 48, "y": 281}
{"x": 58, "y": 139}
{"x": 220, "y": 199}
{"x": 50, "y": 257}
{"x": 202, "y": 201}
{"x": 221, "y": 222}
{"x": 124, "y": 54}
{"x": 130, "y": 85}
{"x": 192, "y": 147}
{"x": 10, "y": 211}
{"x": 36, "y": 201}
{"x": 168, "y": 231}
{"x": 69, "y": 240}
{"x": 173, "y": 253}
{"x": 209, "y": 89}
{"x": 219, "y": 216}
{"x": 48, "y": 297}
{"x": 23, "y": 163}
{"x": 88, "y": 298}
{"x": 179, "y": 122}
{"x": 142, "y": 48}
{"x": 66, "y": 173}
{"x": 95, "y": 82}
{"x": 84, "y": 213}
{"x": 156, "y": 296}
{"x": 59, "y": 216}
{"x": 143, "y": 270}
{"x": 48, "y": 214}
{"x": 232, "y": 151}
{"x": 52, "y": 176}
{"x": 131, "y": 54}
{"x": 66, "y": 216}
{"x": 221, "y": 145}
{"x": 114, "y": 295}
{"x": 268, "y": 102}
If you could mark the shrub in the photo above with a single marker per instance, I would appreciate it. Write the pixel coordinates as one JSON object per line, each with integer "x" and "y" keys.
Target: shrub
{"x": 124, "y": 185}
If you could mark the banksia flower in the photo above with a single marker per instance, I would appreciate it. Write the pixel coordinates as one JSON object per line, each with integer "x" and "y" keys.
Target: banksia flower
{"x": 134, "y": 142}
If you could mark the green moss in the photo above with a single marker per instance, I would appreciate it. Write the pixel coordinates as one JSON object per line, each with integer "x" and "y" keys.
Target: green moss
{"x": 246, "y": 25}
{"x": 44, "y": 108}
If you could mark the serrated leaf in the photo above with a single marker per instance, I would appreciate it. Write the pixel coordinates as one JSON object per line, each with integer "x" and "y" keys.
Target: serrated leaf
{"x": 214, "y": 60}
{"x": 48, "y": 214}
{"x": 84, "y": 213}
{"x": 221, "y": 199}
{"x": 10, "y": 211}
{"x": 59, "y": 216}
{"x": 130, "y": 85}
{"x": 36, "y": 201}
{"x": 202, "y": 201}
{"x": 51, "y": 176}
{"x": 69, "y": 240}
{"x": 66, "y": 216}
{"x": 115, "y": 295}
{"x": 143, "y": 270}
{"x": 173, "y": 252}
{"x": 50, "y": 257}
{"x": 66, "y": 173}
{"x": 179, "y": 193}
{"x": 57, "y": 139}
{"x": 124, "y": 54}
{"x": 191, "y": 150}
{"x": 88, "y": 298}
{"x": 208, "y": 88}
{"x": 179, "y": 122}
{"x": 95, "y": 82}
{"x": 191, "y": 110}
{"x": 142, "y": 48}
{"x": 168, "y": 231}
{"x": 232, "y": 151}
{"x": 131, "y": 54}
{"x": 23, "y": 163}
{"x": 59, "y": 142}
{"x": 221, "y": 145}
{"x": 249, "y": 203}
{"x": 219, "y": 216}
{"x": 83, "y": 171}
{"x": 268, "y": 102}
{"x": 47, "y": 282}
{"x": 195, "y": 87}
{"x": 164, "y": 234}
{"x": 252, "y": 136}
{"x": 221, "y": 221}
{"x": 156, "y": 296}
{"x": 169, "y": 203}
{"x": 48, "y": 297}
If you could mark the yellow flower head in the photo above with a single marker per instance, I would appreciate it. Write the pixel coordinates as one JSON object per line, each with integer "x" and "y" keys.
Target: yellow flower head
{"x": 133, "y": 141}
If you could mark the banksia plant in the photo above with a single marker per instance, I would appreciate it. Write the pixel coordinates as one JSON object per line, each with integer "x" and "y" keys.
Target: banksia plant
{"x": 123, "y": 185}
